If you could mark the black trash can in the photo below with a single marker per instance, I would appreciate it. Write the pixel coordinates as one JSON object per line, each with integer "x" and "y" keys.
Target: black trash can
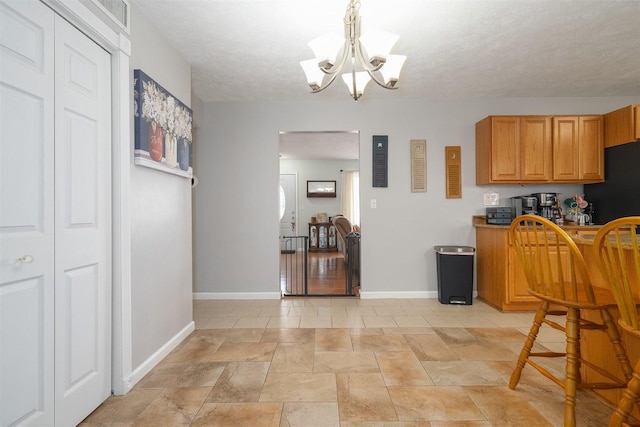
{"x": 455, "y": 274}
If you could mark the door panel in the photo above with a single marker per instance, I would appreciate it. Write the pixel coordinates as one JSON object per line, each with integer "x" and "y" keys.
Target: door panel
{"x": 288, "y": 223}
{"x": 83, "y": 225}
{"x": 26, "y": 214}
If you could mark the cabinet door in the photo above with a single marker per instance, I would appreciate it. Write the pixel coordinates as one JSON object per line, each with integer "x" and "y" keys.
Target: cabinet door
{"x": 313, "y": 236}
{"x": 565, "y": 149}
{"x": 622, "y": 126}
{"x": 535, "y": 148}
{"x": 517, "y": 287}
{"x": 591, "y": 148}
{"x": 505, "y": 149}
{"x": 323, "y": 236}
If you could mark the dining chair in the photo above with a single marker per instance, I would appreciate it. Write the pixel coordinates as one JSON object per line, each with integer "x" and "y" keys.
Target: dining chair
{"x": 617, "y": 250}
{"x": 557, "y": 275}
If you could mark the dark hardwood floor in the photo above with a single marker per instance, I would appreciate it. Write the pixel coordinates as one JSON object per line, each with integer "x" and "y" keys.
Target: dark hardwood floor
{"x": 327, "y": 274}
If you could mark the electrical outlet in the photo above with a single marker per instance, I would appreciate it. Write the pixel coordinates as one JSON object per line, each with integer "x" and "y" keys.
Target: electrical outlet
{"x": 374, "y": 204}
{"x": 491, "y": 199}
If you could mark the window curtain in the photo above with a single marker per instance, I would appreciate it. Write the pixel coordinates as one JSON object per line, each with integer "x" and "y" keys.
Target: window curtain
{"x": 350, "y": 196}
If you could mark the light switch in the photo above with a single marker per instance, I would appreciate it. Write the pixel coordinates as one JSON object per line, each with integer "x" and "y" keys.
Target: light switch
{"x": 374, "y": 204}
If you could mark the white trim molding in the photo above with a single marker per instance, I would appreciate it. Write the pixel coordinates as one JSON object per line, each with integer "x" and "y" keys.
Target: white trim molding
{"x": 235, "y": 295}
{"x": 145, "y": 367}
{"x": 401, "y": 294}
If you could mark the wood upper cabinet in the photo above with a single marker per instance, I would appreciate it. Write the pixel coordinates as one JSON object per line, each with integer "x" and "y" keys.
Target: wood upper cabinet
{"x": 622, "y": 126}
{"x": 512, "y": 149}
{"x": 578, "y": 149}
{"x": 539, "y": 149}
{"x": 535, "y": 145}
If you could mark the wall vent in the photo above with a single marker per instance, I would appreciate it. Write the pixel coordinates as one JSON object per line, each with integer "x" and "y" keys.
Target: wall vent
{"x": 418, "y": 165}
{"x": 453, "y": 166}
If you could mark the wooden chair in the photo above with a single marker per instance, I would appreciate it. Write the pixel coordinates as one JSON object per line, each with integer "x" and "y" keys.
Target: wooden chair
{"x": 617, "y": 249}
{"x": 557, "y": 275}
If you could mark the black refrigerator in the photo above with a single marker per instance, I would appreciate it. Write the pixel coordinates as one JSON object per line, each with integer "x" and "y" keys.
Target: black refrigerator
{"x": 619, "y": 195}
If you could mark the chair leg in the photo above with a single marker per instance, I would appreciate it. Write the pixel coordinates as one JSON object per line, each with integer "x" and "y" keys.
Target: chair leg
{"x": 629, "y": 397}
{"x": 573, "y": 373}
{"x": 614, "y": 337}
{"x": 541, "y": 313}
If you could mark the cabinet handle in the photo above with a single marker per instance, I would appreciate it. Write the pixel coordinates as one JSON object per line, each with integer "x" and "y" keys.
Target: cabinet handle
{"x": 25, "y": 259}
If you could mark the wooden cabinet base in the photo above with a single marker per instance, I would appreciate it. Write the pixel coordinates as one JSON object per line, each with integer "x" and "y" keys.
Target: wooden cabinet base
{"x": 498, "y": 282}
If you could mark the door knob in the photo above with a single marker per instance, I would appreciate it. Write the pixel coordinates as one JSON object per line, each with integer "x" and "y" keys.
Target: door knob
{"x": 25, "y": 259}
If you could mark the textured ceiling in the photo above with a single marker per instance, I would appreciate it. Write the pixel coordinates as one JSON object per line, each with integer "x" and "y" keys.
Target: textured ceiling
{"x": 243, "y": 50}
{"x": 250, "y": 49}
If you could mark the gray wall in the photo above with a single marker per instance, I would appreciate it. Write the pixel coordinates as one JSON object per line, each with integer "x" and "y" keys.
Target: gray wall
{"x": 236, "y": 202}
{"x": 161, "y": 226}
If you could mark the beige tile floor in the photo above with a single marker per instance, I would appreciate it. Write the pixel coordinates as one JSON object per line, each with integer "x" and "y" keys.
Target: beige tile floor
{"x": 350, "y": 363}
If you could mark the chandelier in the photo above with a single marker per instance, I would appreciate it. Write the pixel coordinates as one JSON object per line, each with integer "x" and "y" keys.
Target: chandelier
{"x": 369, "y": 52}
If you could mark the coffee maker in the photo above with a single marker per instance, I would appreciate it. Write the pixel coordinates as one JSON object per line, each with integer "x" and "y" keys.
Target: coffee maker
{"x": 548, "y": 205}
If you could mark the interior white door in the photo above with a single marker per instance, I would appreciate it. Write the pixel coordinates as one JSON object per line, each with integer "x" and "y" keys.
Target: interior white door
{"x": 55, "y": 224}
{"x": 26, "y": 214}
{"x": 288, "y": 221}
{"x": 83, "y": 225}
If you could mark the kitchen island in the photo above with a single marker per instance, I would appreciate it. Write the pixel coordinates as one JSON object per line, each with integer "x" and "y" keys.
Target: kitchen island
{"x": 502, "y": 284}
{"x": 500, "y": 279}
{"x": 594, "y": 344}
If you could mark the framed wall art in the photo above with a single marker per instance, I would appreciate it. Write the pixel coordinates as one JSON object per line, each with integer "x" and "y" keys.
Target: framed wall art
{"x": 321, "y": 189}
{"x": 163, "y": 128}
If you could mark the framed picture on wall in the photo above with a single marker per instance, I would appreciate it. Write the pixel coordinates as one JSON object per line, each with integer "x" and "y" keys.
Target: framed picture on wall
{"x": 321, "y": 189}
{"x": 163, "y": 128}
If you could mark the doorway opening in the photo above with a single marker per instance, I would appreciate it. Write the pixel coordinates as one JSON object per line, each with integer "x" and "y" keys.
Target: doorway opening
{"x": 319, "y": 232}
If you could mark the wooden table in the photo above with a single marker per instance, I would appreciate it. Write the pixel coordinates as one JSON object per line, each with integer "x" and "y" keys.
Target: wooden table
{"x": 595, "y": 346}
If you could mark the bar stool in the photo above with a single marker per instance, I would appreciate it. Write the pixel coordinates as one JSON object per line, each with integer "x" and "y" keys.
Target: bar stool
{"x": 556, "y": 274}
{"x": 617, "y": 249}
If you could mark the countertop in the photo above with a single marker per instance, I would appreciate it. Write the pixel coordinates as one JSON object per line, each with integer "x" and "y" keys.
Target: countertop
{"x": 581, "y": 234}
{"x": 480, "y": 221}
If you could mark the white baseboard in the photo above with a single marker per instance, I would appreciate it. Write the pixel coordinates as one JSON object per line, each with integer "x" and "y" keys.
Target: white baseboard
{"x": 276, "y": 295}
{"x": 402, "y": 294}
{"x": 146, "y": 366}
{"x": 235, "y": 295}
{"x": 398, "y": 294}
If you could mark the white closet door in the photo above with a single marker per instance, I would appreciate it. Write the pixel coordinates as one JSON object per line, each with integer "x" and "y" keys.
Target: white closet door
{"x": 83, "y": 225}
{"x": 55, "y": 239}
{"x": 26, "y": 214}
